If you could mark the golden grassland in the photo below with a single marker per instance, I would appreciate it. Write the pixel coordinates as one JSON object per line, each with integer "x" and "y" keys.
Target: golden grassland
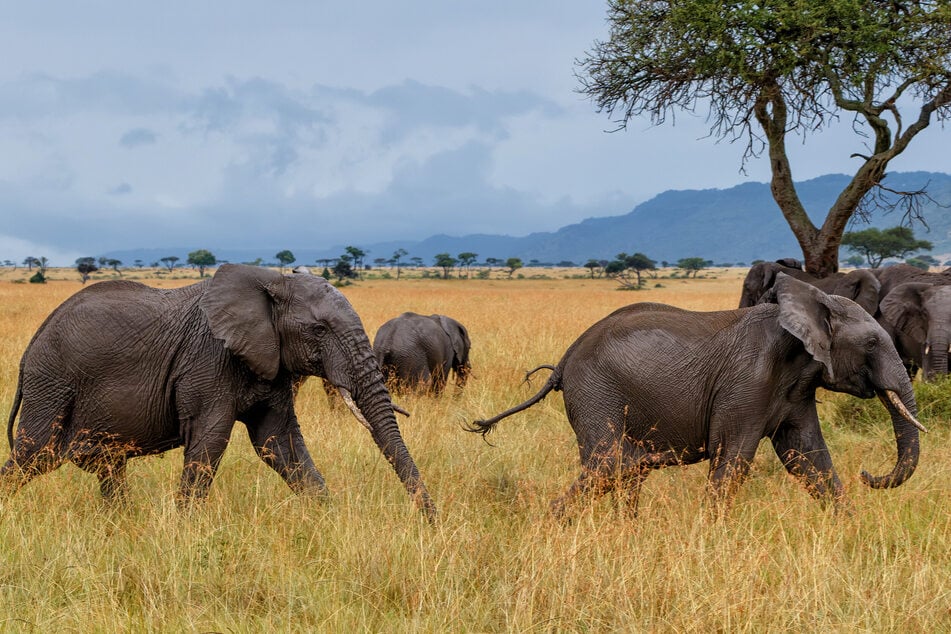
{"x": 257, "y": 558}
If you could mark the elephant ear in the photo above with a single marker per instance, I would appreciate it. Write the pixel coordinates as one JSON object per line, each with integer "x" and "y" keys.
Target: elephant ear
{"x": 238, "y": 305}
{"x": 903, "y": 309}
{"x": 806, "y": 313}
{"x": 457, "y": 335}
{"x": 861, "y": 287}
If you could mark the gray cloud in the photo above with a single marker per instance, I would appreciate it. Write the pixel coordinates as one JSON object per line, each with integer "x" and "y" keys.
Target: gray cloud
{"x": 121, "y": 189}
{"x": 137, "y": 137}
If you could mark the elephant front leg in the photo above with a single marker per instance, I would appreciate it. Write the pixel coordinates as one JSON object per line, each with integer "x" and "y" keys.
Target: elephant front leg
{"x": 729, "y": 466}
{"x": 277, "y": 439}
{"x": 803, "y": 451}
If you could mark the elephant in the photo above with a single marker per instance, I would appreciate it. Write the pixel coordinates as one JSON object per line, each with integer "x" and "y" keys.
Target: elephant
{"x": 121, "y": 370}
{"x": 891, "y": 276}
{"x": 651, "y": 385}
{"x": 861, "y": 286}
{"x": 418, "y": 351}
{"x": 918, "y": 315}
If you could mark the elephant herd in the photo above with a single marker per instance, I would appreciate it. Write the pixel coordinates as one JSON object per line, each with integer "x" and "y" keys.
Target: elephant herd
{"x": 121, "y": 370}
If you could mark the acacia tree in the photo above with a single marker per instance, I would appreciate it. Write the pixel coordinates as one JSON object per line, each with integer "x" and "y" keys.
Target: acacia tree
{"x": 466, "y": 260}
{"x": 446, "y": 262}
{"x": 202, "y": 258}
{"x": 773, "y": 68}
{"x": 285, "y": 258}
{"x": 876, "y": 245}
{"x": 398, "y": 255}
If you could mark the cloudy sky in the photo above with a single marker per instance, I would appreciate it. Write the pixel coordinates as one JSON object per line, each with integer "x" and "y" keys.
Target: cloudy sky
{"x": 298, "y": 123}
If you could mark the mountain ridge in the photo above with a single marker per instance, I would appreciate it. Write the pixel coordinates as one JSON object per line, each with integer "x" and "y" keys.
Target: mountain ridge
{"x": 738, "y": 224}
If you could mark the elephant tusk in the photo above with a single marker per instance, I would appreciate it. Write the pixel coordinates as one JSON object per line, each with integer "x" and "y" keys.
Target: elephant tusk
{"x": 348, "y": 399}
{"x": 895, "y": 400}
{"x": 927, "y": 349}
{"x": 400, "y": 410}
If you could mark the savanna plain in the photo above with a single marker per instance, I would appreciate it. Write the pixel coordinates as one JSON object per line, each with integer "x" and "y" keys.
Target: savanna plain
{"x": 257, "y": 558}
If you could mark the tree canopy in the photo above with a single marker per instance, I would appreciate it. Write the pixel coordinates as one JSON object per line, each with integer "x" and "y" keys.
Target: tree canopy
{"x": 446, "y": 262}
{"x": 285, "y": 257}
{"x": 876, "y": 245}
{"x": 202, "y": 258}
{"x": 765, "y": 70}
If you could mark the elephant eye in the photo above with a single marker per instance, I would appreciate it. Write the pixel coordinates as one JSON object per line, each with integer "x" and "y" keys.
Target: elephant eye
{"x": 871, "y": 344}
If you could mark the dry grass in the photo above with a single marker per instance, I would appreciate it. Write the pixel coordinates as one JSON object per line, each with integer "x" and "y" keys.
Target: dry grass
{"x": 256, "y": 558}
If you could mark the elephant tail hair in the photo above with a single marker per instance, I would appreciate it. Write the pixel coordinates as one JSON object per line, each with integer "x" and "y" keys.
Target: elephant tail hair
{"x": 553, "y": 383}
{"x": 13, "y": 412}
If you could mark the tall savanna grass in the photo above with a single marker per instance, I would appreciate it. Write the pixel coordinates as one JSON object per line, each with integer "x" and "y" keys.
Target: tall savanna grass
{"x": 257, "y": 558}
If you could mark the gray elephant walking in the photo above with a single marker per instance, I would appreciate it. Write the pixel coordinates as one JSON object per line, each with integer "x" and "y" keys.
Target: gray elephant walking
{"x": 861, "y": 285}
{"x": 121, "y": 370}
{"x": 419, "y": 351}
{"x": 652, "y": 385}
{"x": 918, "y": 316}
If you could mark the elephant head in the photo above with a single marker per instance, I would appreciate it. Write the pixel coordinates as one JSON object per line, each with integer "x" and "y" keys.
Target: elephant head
{"x": 857, "y": 357}
{"x": 920, "y": 314}
{"x": 302, "y": 325}
{"x": 459, "y": 338}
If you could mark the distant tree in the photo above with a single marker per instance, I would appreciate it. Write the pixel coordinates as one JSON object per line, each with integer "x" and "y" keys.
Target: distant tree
{"x": 202, "y": 258}
{"x": 566, "y": 264}
{"x": 169, "y": 262}
{"x": 43, "y": 263}
{"x": 343, "y": 269}
{"x": 446, "y": 262}
{"x": 692, "y": 265}
{"x": 285, "y": 257}
{"x": 398, "y": 255}
{"x": 918, "y": 263}
{"x": 114, "y": 265}
{"x": 595, "y": 267}
{"x": 417, "y": 261}
{"x": 86, "y": 266}
{"x": 876, "y": 245}
{"x": 29, "y": 262}
{"x": 356, "y": 258}
{"x": 513, "y": 264}
{"x": 855, "y": 261}
{"x": 621, "y": 267}
{"x": 103, "y": 261}
{"x": 138, "y": 263}
{"x": 466, "y": 260}
{"x": 325, "y": 274}
{"x": 767, "y": 72}
{"x": 38, "y": 278}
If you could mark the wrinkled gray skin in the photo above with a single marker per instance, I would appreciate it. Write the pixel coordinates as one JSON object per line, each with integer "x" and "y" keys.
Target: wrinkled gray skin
{"x": 418, "y": 351}
{"x": 861, "y": 286}
{"x": 651, "y": 386}
{"x": 918, "y": 316}
{"x": 122, "y": 370}
{"x": 891, "y": 276}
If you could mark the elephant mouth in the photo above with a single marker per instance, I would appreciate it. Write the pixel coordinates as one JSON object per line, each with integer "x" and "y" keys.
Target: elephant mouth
{"x": 889, "y": 397}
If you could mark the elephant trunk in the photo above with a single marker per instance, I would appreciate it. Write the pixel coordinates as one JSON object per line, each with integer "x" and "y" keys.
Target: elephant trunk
{"x": 374, "y": 402}
{"x": 935, "y": 358}
{"x": 903, "y": 409}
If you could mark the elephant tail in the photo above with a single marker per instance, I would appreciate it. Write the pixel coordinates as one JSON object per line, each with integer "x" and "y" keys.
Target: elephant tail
{"x": 553, "y": 383}
{"x": 13, "y": 412}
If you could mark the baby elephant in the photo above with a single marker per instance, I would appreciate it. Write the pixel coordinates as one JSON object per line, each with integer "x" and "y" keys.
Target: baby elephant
{"x": 651, "y": 386}
{"x": 418, "y": 351}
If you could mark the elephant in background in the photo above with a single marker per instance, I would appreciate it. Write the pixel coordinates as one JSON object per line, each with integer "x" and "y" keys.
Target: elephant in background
{"x": 861, "y": 286}
{"x": 418, "y": 351}
{"x": 651, "y": 386}
{"x": 121, "y": 370}
{"x": 918, "y": 315}
{"x": 891, "y": 276}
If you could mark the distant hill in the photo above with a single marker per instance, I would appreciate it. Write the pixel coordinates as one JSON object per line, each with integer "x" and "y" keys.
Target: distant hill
{"x": 739, "y": 224}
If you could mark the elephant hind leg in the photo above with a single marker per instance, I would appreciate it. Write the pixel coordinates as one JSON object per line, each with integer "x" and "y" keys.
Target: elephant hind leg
{"x": 111, "y": 472}
{"x": 34, "y": 454}
{"x": 621, "y": 470}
